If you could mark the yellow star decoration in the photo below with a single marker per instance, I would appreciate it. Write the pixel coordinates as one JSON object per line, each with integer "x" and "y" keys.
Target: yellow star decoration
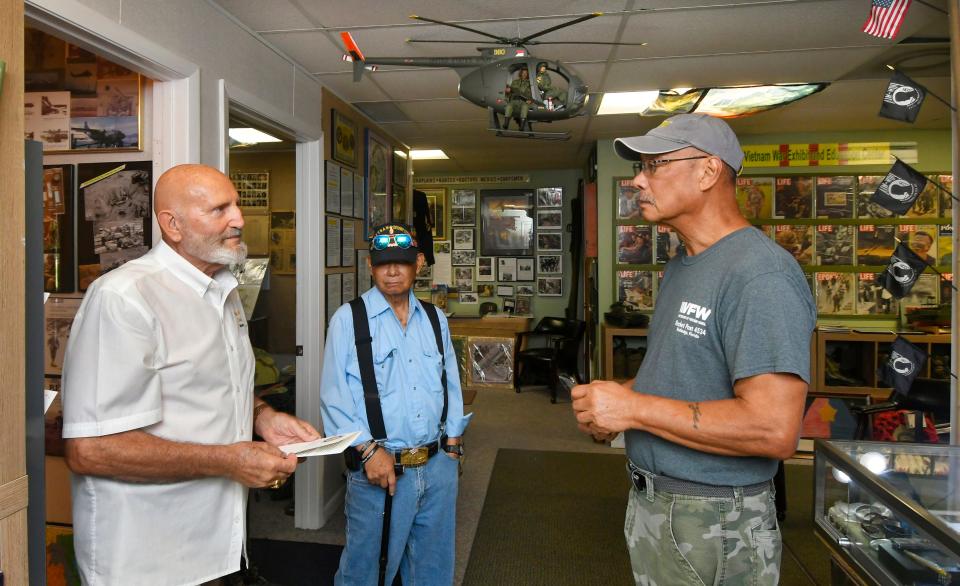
{"x": 827, "y": 413}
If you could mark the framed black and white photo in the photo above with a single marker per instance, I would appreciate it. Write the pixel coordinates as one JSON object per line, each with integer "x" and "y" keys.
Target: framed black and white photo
{"x": 506, "y": 268}
{"x": 550, "y": 286}
{"x": 468, "y": 298}
{"x": 550, "y": 197}
{"x": 522, "y": 305}
{"x": 549, "y": 219}
{"x": 525, "y": 290}
{"x": 460, "y": 216}
{"x": 464, "y": 198}
{"x": 550, "y": 242}
{"x": 504, "y": 290}
{"x": 550, "y": 264}
{"x": 420, "y": 284}
{"x": 525, "y": 269}
{"x": 441, "y": 247}
{"x": 463, "y": 258}
{"x": 463, "y": 279}
{"x": 463, "y": 238}
{"x": 485, "y": 269}
{"x": 506, "y": 222}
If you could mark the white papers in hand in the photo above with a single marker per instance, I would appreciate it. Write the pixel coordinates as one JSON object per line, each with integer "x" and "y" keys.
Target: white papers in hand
{"x": 321, "y": 447}
{"x": 48, "y": 397}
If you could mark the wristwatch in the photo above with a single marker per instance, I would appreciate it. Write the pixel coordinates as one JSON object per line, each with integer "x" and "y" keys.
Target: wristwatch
{"x": 453, "y": 449}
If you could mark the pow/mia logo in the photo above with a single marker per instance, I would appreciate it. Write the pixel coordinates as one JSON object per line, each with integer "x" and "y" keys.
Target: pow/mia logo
{"x": 901, "y": 364}
{"x": 904, "y": 96}
{"x": 898, "y": 188}
{"x": 901, "y": 271}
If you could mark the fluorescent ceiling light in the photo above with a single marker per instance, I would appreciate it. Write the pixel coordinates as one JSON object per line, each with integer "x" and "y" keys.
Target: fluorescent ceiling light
{"x": 626, "y": 102}
{"x": 251, "y": 136}
{"x": 401, "y": 154}
{"x": 422, "y": 154}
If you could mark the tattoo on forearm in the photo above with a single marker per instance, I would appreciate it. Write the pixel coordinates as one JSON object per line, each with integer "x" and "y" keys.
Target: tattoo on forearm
{"x": 695, "y": 408}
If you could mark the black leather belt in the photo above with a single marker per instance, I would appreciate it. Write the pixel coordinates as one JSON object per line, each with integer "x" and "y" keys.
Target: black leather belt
{"x": 416, "y": 457}
{"x": 690, "y": 488}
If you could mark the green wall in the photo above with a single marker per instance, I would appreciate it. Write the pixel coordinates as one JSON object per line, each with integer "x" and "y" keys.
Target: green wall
{"x": 566, "y": 178}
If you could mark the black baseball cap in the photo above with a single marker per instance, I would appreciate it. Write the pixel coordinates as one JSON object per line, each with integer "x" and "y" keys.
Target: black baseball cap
{"x": 392, "y": 243}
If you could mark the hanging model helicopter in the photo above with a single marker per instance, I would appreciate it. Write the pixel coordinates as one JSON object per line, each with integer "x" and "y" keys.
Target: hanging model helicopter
{"x": 485, "y": 80}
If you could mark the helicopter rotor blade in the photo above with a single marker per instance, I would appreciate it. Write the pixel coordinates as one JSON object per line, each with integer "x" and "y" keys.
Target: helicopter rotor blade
{"x": 587, "y": 43}
{"x": 461, "y": 27}
{"x": 434, "y": 41}
{"x": 559, "y": 26}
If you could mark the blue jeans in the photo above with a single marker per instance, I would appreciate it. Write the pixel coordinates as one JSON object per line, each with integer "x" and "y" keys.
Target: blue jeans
{"x": 422, "y": 527}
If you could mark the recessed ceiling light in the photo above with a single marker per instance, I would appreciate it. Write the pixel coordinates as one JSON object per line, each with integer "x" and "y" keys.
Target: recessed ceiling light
{"x": 421, "y": 154}
{"x": 251, "y": 136}
{"x": 626, "y": 102}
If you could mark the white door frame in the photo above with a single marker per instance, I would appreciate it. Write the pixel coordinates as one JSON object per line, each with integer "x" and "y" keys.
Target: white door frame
{"x": 313, "y": 506}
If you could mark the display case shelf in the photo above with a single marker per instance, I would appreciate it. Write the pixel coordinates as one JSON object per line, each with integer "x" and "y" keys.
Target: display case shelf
{"x": 888, "y": 512}
{"x": 623, "y": 351}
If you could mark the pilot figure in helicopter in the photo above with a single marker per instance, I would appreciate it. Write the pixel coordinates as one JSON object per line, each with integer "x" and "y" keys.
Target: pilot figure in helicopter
{"x": 553, "y": 97}
{"x": 519, "y": 97}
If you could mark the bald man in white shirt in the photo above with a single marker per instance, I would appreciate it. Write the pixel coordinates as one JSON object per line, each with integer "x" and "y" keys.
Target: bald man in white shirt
{"x": 159, "y": 411}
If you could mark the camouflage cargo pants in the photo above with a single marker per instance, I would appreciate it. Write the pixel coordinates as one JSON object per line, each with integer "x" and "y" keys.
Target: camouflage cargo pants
{"x": 677, "y": 539}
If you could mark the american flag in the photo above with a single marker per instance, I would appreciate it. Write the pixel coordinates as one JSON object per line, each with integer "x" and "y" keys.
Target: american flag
{"x": 885, "y": 18}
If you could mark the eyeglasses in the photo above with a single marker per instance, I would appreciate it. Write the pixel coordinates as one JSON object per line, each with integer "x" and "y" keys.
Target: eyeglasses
{"x": 382, "y": 241}
{"x": 651, "y": 166}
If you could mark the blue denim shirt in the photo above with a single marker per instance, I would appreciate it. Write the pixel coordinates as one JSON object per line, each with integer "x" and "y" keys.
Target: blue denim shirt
{"x": 407, "y": 367}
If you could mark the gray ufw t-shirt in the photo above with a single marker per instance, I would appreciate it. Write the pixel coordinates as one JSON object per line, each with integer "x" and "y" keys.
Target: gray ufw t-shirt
{"x": 740, "y": 308}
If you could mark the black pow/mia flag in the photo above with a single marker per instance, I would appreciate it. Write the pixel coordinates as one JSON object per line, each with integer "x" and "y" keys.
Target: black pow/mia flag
{"x": 903, "y": 271}
{"x": 900, "y": 188}
{"x": 905, "y": 363}
{"x": 903, "y": 98}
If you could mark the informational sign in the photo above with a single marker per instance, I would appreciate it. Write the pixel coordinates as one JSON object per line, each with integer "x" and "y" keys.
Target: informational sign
{"x": 828, "y": 154}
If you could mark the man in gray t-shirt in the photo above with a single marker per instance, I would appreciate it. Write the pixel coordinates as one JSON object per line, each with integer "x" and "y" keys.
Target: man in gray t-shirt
{"x": 719, "y": 397}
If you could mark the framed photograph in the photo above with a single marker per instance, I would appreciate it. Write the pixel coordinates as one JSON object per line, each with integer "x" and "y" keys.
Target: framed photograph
{"x": 400, "y": 168}
{"x": 469, "y": 298}
{"x": 550, "y": 286}
{"x": 550, "y": 197}
{"x": 334, "y": 293}
{"x": 256, "y": 232}
{"x": 334, "y": 238}
{"x": 364, "y": 278}
{"x": 463, "y": 239}
{"x": 635, "y": 245}
{"x": 463, "y": 278}
{"x": 105, "y": 133}
{"x": 549, "y": 219}
{"x": 113, "y": 216}
{"x": 59, "y": 313}
{"x": 550, "y": 264}
{"x": 358, "y": 195}
{"x": 437, "y": 206}
{"x": 490, "y": 362}
{"x": 463, "y": 258}
{"x": 346, "y": 193}
{"x": 463, "y": 216}
{"x": 464, "y": 198}
{"x": 485, "y": 290}
{"x": 550, "y": 242}
{"x": 522, "y": 305}
{"x": 344, "y": 139}
{"x": 636, "y": 288}
{"x": 379, "y": 186}
{"x": 504, "y": 290}
{"x": 628, "y": 207}
{"x": 525, "y": 291}
{"x": 254, "y": 189}
{"x": 441, "y": 247}
{"x": 506, "y": 268}
{"x": 348, "y": 287}
{"x": 400, "y": 207}
{"x": 422, "y": 284}
{"x": 506, "y": 222}
{"x": 333, "y": 187}
{"x": 485, "y": 269}
{"x": 525, "y": 269}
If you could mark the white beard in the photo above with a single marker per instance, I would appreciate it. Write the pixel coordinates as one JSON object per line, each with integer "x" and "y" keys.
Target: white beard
{"x": 212, "y": 251}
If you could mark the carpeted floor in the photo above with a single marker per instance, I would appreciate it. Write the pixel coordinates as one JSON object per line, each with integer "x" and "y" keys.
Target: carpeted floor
{"x": 556, "y": 518}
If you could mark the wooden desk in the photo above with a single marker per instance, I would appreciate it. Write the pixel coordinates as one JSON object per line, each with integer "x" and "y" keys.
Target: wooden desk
{"x": 491, "y": 326}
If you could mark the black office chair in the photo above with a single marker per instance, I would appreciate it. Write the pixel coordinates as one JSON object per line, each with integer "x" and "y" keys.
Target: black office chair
{"x": 927, "y": 396}
{"x": 552, "y": 351}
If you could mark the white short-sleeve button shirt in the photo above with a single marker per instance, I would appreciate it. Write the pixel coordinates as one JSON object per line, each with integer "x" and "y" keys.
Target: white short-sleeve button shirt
{"x": 159, "y": 346}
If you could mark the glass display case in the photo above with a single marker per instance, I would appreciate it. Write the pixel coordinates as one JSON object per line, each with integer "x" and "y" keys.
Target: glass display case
{"x": 889, "y": 512}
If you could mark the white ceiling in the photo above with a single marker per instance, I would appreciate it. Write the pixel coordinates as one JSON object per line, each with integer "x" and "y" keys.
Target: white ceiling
{"x": 690, "y": 44}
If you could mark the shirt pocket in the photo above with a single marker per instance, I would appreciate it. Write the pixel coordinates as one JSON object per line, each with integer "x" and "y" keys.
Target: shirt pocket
{"x": 433, "y": 366}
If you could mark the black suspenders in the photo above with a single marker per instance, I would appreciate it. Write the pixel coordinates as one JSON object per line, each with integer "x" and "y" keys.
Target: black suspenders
{"x": 371, "y": 397}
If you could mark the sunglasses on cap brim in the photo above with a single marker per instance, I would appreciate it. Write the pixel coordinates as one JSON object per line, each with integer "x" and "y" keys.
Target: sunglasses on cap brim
{"x": 382, "y": 241}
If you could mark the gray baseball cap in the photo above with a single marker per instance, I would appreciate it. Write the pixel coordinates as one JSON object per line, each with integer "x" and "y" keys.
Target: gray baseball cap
{"x": 701, "y": 131}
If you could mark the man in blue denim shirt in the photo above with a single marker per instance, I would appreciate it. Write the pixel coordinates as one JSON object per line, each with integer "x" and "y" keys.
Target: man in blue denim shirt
{"x": 408, "y": 368}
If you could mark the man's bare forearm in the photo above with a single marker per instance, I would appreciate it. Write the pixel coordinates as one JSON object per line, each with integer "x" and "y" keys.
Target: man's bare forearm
{"x": 137, "y": 456}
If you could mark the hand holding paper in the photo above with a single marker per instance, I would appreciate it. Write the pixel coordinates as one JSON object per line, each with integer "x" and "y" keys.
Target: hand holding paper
{"x": 324, "y": 446}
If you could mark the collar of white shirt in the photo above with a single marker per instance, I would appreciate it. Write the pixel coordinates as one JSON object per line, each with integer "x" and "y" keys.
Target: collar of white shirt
{"x": 191, "y": 275}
